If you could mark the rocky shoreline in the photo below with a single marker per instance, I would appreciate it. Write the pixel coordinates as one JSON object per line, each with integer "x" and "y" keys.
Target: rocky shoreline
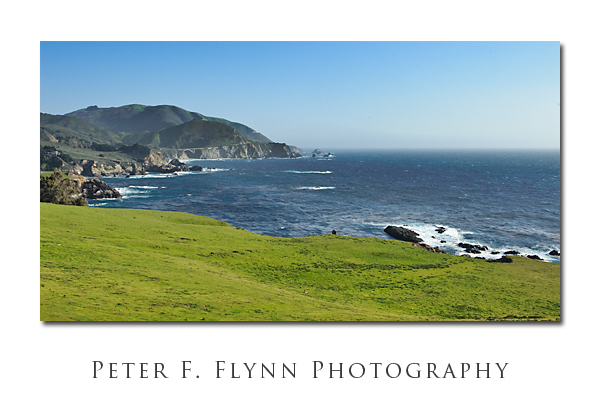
{"x": 90, "y": 168}
{"x": 158, "y": 164}
{"x": 405, "y": 234}
{"x": 249, "y": 150}
{"x": 85, "y": 177}
{"x": 140, "y": 159}
{"x": 94, "y": 188}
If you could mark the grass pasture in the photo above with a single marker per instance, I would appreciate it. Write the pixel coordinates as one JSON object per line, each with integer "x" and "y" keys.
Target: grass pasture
{"x": 134, "y": 265}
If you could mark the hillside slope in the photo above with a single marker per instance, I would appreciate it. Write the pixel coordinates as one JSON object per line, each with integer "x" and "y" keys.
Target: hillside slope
{"x": 138, "y": 119}
{"x": 121, "y": 264}
{"x": 197, "y": 134}
{"x": 70, "y": 143}
{"x": 72, "y": 129}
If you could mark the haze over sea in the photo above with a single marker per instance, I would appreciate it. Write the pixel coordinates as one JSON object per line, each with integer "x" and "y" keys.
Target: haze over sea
{"x": 503, "y": 199}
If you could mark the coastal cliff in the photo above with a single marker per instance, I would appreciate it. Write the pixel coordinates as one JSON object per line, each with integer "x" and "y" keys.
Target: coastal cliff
{"x": 73, "y": 189}
{"x": 130, "y": 139}
{"x": 247, "y": 150}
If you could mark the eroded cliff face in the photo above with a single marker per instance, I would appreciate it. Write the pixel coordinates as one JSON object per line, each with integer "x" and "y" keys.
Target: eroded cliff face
{"x": 281, "y": 150}
{"x": 91, "y": 168}
{"x": 153, "y": 159}
{"x": 241, "y": 151}
{"x": 94, "y": 188}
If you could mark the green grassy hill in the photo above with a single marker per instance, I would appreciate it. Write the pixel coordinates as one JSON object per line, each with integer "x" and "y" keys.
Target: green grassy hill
{"x": 73, "y": 130}
{"x": 246, "y": 131}
{"x": 199, "y": 134}
{"x": 117, "y": 264}
{"x": 140, "y": 119}
{"x": 75, "y": 140}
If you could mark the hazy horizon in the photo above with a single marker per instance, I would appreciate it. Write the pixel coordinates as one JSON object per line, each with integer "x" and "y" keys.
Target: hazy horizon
{"x": 362, "y": 95}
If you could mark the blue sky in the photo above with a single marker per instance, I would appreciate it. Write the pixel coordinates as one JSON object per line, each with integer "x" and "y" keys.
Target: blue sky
{"x": 327, "y": 94}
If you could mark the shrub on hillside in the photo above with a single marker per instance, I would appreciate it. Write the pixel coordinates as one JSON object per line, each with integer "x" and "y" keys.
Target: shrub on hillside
{"x": 65, "y": 157}
{"x": 59, "y": 189}
{"x": 103, "y": 147}
{"x": 53, "y": 162}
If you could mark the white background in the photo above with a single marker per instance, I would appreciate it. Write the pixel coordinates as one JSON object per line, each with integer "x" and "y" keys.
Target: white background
{"x": 549, "y": 363}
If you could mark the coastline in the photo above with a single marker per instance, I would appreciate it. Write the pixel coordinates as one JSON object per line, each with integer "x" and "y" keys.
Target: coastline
{"x": 477, "y": 251}
{"x": 307, "y": 196}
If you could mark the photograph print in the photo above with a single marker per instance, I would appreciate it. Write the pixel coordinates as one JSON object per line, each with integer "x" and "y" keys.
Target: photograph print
{"x": 300, "y": 181}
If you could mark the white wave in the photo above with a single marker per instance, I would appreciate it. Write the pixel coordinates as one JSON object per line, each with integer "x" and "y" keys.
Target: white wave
{"x": 202, "y": 163}
{"x": 311, "y": 172}
{"x": 449, "y": 239}
{"x": 152, "y": 175}
{"x": 129, "y": 192}
{"x": 156, "y": 175}
{"x": 314, "y": 188}
{"x": 427, "y": 232}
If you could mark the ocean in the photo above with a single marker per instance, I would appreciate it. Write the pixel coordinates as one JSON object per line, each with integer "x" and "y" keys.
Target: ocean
{"x": 505, "y": 200}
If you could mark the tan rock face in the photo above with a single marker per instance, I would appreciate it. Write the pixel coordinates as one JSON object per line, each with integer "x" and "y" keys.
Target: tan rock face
{"x": 244, "y": 150}
{"x": 156, "y": 158}
{"x": 93, "y": 188}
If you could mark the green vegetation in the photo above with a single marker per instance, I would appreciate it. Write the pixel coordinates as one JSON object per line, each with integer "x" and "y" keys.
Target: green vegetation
{"x": 141, "y": 120}
{"x": 65, "y": 142}
{"x": 75, "y": 155}
{"x": 246, "y": 131}
{"x": 59, "y": 189}
{"x": 135, "y": 118}
{"x": 114, "y": 136}
{"x": 117, "y": 264}
{"x": 73, "y": 131}
{"x": 199, "y": 134}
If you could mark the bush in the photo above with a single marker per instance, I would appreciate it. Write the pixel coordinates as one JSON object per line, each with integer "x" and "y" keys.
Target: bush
{"x": 65, "y": 157}
{"x": 103, "y": 147}
{"x": 51, "y": 163}
{"x": 59, "y": 189}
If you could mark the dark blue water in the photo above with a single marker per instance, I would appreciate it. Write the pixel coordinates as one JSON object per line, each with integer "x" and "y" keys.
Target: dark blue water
{"x": 506, "y": 200}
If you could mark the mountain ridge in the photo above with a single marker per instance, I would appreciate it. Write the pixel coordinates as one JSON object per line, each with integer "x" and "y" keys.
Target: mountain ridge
{"x": 108, "y": 138}
{"x": 141, "y": 119}
{"x": 65, "y": 128}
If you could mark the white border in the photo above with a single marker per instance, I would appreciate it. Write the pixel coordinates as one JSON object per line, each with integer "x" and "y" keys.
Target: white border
{"x": 548, "y": 363}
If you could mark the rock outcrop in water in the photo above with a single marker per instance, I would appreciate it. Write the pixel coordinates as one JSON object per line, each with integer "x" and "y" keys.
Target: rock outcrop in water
{"x": 173, "y": 166}
{"x": 472, "y": 248}
{"x": 281, "y": 150}
{"x": 403, "y": 234}
{"x": 97, "y": 189}
{"x": 94, "y": 188}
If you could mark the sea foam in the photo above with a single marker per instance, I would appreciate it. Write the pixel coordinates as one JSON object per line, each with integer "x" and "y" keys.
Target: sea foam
{"x": 314, "y": 188}
{"x": 135, "y": 191}
{"x": 310, "y": 172}
{"x": 448, "y": 241}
